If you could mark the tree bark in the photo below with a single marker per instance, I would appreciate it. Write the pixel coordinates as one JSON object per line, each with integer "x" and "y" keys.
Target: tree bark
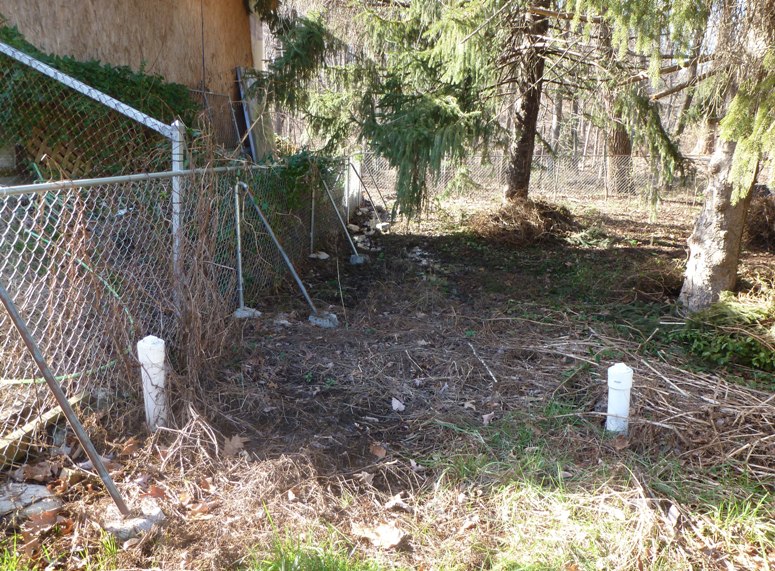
{"x": 618, "y": 144}
{"x": 715, "y": 243}
{"x": 556, "y": 122}
{"x": 706, "y": 139}
{"x": 619, "y": 161}
{"x": 531, "y": 88}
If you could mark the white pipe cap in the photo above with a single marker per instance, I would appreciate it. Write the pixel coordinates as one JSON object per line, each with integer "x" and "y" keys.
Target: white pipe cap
{"x": 620, "y": 377}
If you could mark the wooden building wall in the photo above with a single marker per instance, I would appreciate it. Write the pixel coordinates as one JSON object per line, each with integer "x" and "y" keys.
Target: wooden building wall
{"x": 165, "y": 36}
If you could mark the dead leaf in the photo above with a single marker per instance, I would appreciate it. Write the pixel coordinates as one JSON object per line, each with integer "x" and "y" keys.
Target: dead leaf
{"x": 59, "y": 486}
{"x": 416, "y": 467}
{"x": 203, "y": 507}
{"x": 397, "y": 503}
{"x": 469, "y": 523}
{"x": 130, "y": 447}
{"x": 206, "y": 485}
{"x": 378, "y": 450}
{"x": 487, "y": 418}
{"x": 673, "y": 515}
{"x": 620, "y": 442}
{"x": 234, "y": 445}
{"x": 39, "y": 523}
{"x": 571, "y": 567}
{"x": 130, "y": 543}
{"x": 384, "y": 536}
{"x": 65, "y": 525}
{"x": 469, "y": 405}
{"x": 185, "y": 498}
{"x": 398, "y": 406}
{"x": 292, "y": 496}
{"x": 155, "y": 491}
{"x": 41, "y": 472}
{"x": 365, "y": 477}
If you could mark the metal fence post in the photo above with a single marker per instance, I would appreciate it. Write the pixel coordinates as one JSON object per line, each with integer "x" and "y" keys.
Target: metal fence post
{"x": 61, "y": 398}
{"x": 178, "y": 154}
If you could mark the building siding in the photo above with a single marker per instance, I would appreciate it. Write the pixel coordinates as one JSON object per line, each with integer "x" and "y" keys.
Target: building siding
{"x": 161, "y": 36}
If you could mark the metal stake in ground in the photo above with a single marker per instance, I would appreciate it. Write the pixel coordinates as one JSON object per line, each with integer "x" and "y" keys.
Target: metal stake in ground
{"x": 241, "y": 312}
{"x": 61, "y": 398}
{"x": 321, "y": 319}
{"x": 356, "y": 258}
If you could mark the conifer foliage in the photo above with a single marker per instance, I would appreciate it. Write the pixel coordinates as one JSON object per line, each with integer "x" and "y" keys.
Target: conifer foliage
{"x": 427, "y": 81}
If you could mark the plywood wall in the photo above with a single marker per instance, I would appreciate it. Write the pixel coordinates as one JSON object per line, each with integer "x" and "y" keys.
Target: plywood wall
{"x": 163, "y": 35}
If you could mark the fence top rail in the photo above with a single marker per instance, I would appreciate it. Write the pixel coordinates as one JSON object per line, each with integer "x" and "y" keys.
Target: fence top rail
{"x": 88, "y": 182}
{"x": 80, "y": 87}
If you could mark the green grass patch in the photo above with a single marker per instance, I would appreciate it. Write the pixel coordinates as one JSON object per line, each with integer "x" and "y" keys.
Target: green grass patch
{"x": 10, "y": 559}
{"x": 292, "y": 556}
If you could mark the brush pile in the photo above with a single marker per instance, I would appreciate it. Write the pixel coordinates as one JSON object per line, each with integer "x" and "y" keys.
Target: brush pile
{"x": 524, "y": 222}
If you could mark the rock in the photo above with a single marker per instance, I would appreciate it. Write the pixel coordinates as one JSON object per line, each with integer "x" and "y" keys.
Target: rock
{"x": 353, "y": 228}
{"x": 125, "y": 529}
{"x": 26, "y": 499}
{"x": 319, "y": 256}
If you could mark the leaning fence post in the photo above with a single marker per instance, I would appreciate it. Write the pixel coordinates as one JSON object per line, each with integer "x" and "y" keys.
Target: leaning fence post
{"x": 178, "y": 154}
{"x": 61, "y": 398}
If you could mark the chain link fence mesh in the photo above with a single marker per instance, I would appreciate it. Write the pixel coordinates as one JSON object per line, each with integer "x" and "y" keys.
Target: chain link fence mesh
{"x": 51, "y": 131}
{"x": 631, "y": 178}
{"x": 89, "y": 263}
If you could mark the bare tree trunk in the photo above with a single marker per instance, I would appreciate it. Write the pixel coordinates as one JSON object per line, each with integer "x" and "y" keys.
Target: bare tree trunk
{"x": 619, "y": 149}
{"x": 618, "y": 144}
{"x": 556, "y": 122}
{"x": 691, "y": 74}
{"x": 576, "y": 126}
{"x": 706, "y": 139}
{"x": 532, "y": 83}
{"x": 714, "y": 246}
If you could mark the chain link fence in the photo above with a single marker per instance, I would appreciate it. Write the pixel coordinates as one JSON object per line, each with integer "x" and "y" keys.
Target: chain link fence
{"x": 562, "y": 178}
{"x": 126, "y": 239}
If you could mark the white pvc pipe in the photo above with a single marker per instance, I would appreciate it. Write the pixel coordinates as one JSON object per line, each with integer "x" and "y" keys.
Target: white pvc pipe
{"x": 619, "y": 385}
{"x": 150, "y": 353}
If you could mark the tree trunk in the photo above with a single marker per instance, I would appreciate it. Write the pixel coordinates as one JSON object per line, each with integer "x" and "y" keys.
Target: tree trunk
{"x": 576, "y": 126}
{"x": 618, "y": 144}
{"x": 619, "y": 161}
{"x": 531, "y": 87}
{"x": 706, "y": 139}
{"x": 556, "y": 122}
{"x": 714, "y": 246}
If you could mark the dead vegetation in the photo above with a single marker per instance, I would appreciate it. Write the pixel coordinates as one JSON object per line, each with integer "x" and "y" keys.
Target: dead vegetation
{"x": 448, "y": 426}
{"x": 524, "y": 222}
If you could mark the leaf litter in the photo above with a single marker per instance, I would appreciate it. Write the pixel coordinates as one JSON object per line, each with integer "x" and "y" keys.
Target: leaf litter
{"x": 318, "y": 456}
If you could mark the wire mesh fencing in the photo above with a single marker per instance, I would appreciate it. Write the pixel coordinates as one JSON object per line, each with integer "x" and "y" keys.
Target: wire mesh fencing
{"x": 220, "y": 118}
{"x": 55, "y": 127}
{"x": 631, "y": 178}
{"x": 90, "y": 267}
{"x": 124, "y": 242}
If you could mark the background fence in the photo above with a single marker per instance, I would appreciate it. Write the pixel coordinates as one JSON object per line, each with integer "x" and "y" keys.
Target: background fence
{"x": 562, "y": 178}
{"x": 102, "y": 244}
